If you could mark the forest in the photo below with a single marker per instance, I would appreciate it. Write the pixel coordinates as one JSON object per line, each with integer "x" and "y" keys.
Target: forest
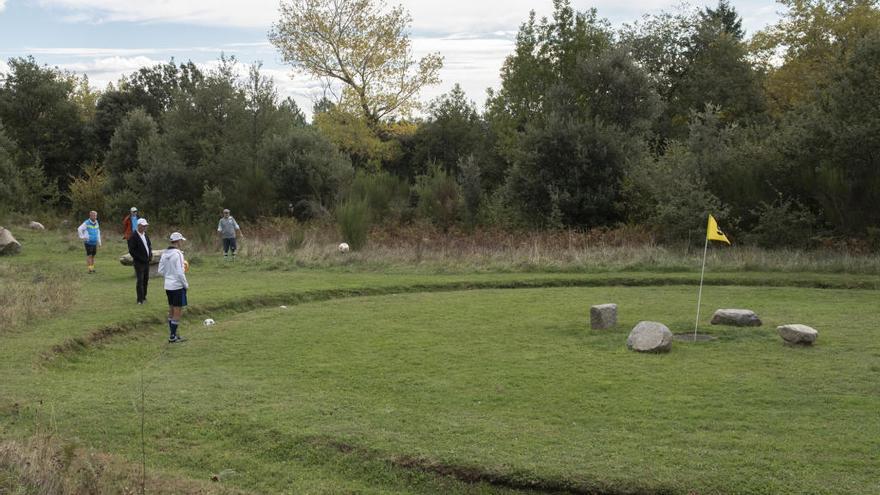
{"x": 656, "y": 124}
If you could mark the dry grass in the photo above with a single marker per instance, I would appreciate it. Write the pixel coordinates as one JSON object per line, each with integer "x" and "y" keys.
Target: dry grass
{"x": 32, "y": 292}
{"x": 628, "y": 248}
{"x": 46, "y": 464}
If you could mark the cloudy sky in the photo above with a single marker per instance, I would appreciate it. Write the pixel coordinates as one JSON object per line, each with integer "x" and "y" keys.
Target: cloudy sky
{"x": 108, "y": 38}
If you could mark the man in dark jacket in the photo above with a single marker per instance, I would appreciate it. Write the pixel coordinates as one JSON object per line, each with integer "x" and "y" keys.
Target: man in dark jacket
{"x": 141, "y": 251}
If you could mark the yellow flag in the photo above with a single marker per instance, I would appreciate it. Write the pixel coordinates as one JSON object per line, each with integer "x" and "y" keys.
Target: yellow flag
{"x": 713, "y": 233}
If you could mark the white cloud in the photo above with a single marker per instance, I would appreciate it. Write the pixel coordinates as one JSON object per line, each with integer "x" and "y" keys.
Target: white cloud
{"x": 2, "y": 5}
{"x": 256, "y": 13}
{"x": 473, "y": 63}
{"x": 102, "y": 71}
{"x": 429, "y": 16}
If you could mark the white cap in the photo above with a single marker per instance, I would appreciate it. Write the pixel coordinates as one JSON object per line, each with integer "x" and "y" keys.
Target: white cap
{"x": 177, "y": 236}
{"x": 134, "y": 209}
{"x": 142, "y": 221}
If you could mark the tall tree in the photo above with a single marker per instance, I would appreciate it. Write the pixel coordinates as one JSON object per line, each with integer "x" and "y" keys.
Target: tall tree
{"x": 453, "y": 131}
{"x": 813, "y": 39}
{"x": 360, "y": 44}
{"x": 38, "y": 109}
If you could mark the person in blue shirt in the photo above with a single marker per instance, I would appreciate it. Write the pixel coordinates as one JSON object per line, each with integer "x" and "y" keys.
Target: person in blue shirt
{"x": 90, "y": 233}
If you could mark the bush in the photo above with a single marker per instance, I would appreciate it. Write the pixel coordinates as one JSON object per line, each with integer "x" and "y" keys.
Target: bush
{"x": 386, "y": 196}
{"x": 668, "y": 195}
{"x": 471, "y": 188}
{"x": 439, "y": 197}
{"x": 353, "y": 217}
{"x": 87, "y": 192}
{"x": 784, "y": 223}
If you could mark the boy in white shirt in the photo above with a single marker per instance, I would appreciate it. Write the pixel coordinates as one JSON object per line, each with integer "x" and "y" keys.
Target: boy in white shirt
{"x": 173, "y": 267}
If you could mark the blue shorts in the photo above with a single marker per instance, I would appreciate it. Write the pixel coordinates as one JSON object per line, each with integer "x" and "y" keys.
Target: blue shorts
{"x": 176, "y": 297}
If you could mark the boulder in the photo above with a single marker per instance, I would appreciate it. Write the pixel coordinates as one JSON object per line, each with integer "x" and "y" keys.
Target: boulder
{"x": 603, "y": 316}
{"x": 736, "y": 318}
{"x": 797, "y": 334}
{"x": 8, "y": 244}
{"x": 126, "y": 259}
{"x": 650, "y": 336}
{"x": 36, "y": 226}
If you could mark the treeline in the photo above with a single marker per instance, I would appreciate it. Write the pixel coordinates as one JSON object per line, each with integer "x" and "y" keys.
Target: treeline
{"x": 657, "y": 124}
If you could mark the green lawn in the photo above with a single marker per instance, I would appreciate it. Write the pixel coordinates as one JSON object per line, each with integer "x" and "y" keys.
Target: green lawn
{"x": 406, "y": 383}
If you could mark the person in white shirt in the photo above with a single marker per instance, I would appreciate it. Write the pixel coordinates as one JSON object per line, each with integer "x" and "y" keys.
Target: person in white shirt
{"x": 141, "y": 251}
{"x": 173, "y": 267}
{"x": 90, "y": 233}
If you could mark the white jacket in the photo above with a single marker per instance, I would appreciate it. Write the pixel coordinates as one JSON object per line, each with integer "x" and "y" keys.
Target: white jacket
{"x": 171, "y": 267}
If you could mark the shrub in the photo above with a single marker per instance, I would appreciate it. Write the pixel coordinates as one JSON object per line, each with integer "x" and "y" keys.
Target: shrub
{"x": 783, "y": 223}
{"x": 353, "y": 217}
{"x": 386, "y": 196}
{"x": 87, "y": 192}
{"x": 471, "y": 188}
{"x": 439, "y": 197}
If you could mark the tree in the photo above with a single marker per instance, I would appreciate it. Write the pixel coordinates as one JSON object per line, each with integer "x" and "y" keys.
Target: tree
{"x": 360, "y": 44}
{"x": 39, "y": 113}
{"x": 813, "y": 38}
{"x": 10, "y": 179}
{"x": 304, "y": 167}
{"x": 122, "y": 157}
{"x": 453, "y": 131}
{"x": 833, "y": 142}
{"x": 569, "y": 166}
{"x": 153, "y": 89}
{"x": 697, "y": 58}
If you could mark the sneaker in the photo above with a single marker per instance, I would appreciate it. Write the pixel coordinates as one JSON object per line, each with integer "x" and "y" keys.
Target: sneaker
{"x": 176, "y": 339}
{"x": 140, "y": 302}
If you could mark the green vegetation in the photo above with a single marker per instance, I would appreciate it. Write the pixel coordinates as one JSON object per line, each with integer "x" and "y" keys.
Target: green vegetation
{"x": 652, "y": 125}
{"x": 399, "y": 378}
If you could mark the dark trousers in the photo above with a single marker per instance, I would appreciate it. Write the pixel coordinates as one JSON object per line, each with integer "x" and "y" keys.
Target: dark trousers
{"x": 229, "y": 243}
{"x": 142, "y": 272}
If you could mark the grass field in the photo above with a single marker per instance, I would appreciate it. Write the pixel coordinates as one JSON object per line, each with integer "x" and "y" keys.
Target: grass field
{"x": 415, "y": 380}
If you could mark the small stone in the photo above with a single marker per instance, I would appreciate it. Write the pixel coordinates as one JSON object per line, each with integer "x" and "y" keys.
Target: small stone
{"x": 126, "y": 259}
{"x": 650, "y": 336}
{"x": 8, "y": 244}
{"x": 796, "y": 333}
{"x": 603, "y": 316}
{"x": 736, "y": 318}
{"x": 36, "y": 226}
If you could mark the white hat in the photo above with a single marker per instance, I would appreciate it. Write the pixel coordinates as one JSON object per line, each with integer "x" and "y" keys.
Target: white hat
{"x": 134, "y": 209}
{"x": 142, "y": 221}
{"x": 177, "y": 236}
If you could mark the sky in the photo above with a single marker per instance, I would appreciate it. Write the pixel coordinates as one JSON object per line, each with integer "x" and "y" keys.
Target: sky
{"x": 106, "y": 39}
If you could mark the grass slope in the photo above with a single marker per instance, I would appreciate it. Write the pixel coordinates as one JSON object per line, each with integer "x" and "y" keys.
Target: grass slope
{"x": 488, "y": 391}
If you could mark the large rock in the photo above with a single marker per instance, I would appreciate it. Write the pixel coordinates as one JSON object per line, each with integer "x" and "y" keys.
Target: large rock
{"x": 650, "y": 336}
{"x": 736, "y": 318}
{"x": 36, "y": 226}
{"x": 603, "y": 316}
{"x": 8, "y": 244}
{"x": 126, "y": 259}
{"x": 798, "y": 334}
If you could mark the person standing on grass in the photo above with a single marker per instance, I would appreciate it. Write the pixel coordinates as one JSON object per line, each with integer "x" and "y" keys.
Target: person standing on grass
{"x": 129, "y": 223}
{"x": 227, "y": 229}
{"x": 172, "y": 266}
{"x": 90, "y": 233}
{"x": 141, "y": 251}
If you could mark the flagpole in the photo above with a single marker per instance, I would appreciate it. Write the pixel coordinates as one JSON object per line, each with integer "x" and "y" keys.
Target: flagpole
{"x": 700, "y": 296}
